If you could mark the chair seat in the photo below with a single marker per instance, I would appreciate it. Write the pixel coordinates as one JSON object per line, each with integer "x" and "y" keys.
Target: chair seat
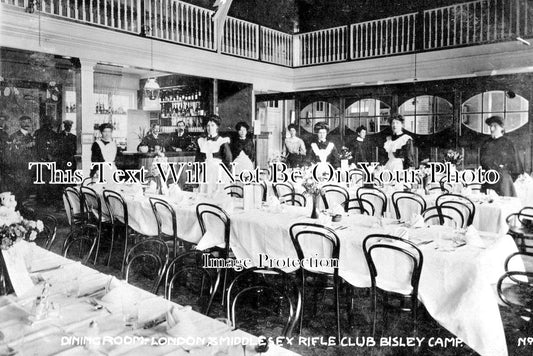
{"x": 393, "y": 286}
{"x": 522, "y": 231}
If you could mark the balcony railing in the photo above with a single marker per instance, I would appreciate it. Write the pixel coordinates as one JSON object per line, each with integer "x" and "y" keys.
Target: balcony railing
{"x": 476, "y": 22}
{"x": 472, "y": 23}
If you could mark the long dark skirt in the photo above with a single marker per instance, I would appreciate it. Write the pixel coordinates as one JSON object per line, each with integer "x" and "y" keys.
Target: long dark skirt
{"x": 504, "y": 187}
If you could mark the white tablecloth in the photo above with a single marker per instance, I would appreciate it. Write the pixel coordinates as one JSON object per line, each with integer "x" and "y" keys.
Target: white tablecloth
{"x": 489, "y": 217}
{"x": 455, "y": 286}
{"x": 73, "y": 316}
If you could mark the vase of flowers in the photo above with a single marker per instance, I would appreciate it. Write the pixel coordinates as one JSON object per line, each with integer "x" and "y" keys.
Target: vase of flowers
{"x": 453, "y": 157}
{"x": 345, "y": 156}
{"x": 13, "y": 228}
{"x": 313, "y": 189}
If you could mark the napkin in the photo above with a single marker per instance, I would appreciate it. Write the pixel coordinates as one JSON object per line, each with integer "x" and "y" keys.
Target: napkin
{"x": 175, "y": 193}
{"x": 272, "y": 201}
{"x": 180, "y": 322}
{"x": 417, "y": 221}
{"x": 337, "y": 210}
{"x": 209, "y": 240}
{"x": 117, "y": 291}
{"x": 472, "y": 237}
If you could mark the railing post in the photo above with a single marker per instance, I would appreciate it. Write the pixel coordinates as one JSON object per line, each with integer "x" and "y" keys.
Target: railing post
{"x": 259, "y": 42}
{"x": 296, "y": 62}
{"x": 141, "y": 19}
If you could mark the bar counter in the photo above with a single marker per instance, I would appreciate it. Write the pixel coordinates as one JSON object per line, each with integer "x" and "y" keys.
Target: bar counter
{"x": 136, "y": 160}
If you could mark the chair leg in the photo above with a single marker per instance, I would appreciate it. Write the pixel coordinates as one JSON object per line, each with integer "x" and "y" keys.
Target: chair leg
{"x": 126, "y": 235}
{"x": 212, "y": 296}
{"x": 373, "y": 297}
{"x": 337, "y": 311}
{"x": 111, "y": 246}
{"x": 303, "y": 304}
{"x": 98, "y": 242}
{"x": 414, "y": 307}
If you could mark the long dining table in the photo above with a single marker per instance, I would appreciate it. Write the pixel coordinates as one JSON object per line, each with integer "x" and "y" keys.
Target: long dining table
{"x": 90, "y": 320}
{"x": 456, "y": 284}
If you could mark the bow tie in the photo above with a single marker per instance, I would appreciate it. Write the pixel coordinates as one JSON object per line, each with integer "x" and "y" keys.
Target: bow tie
{"x": 212, "y": 138}
{"x": 322, "y": 144}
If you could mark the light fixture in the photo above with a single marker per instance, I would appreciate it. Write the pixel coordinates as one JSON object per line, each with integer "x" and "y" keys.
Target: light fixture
{"x": 523, "y": 41}
{"x": 151, "y": 87}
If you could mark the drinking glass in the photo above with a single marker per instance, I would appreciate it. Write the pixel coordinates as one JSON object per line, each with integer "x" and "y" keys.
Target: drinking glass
{"x": 130, "y": 313}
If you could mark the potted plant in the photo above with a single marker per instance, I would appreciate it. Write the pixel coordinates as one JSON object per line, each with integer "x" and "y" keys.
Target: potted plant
{"x": 141, "y": 134}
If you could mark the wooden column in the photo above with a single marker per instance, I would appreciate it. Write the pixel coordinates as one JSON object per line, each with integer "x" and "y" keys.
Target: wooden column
{"x": 85, "y": 112}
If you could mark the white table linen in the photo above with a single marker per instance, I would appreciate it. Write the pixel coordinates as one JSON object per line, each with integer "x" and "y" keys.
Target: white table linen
{"x": 455, "y": 285}
{"x": 72, "y": 316}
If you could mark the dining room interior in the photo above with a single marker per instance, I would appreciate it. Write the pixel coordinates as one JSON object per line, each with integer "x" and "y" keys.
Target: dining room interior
{"x": 170, "y": 177}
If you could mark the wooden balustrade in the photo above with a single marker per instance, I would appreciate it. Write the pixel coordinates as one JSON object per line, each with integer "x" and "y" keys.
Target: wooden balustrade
{"x": 476, "y": 22}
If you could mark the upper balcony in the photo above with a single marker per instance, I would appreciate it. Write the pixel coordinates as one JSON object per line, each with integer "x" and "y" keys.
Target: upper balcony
{"x": 472, "y": 23}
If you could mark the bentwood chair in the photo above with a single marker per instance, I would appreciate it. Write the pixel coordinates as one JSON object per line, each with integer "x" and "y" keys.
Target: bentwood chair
{"x": 395, "y": 267}
{"x": 407, "y": 203}
{"x": 80, "y": 245}
{"x": 167, "y": 224}
{"x": 320, "y": 242}
{"x": 364, "y": 207}
{"x": 515, "y": 287}
{"x": 296, "y": 199}
{"x": 180, "y": 276}
{"x": 264, "y": 188}
{"x": 150, "y": 257}
{"x": 118, "y": 211}
{"x": 334, "y": 195}
{"x": 94, "y": 213}
{"x": 376, "y": 197}
{"x": 444, "y": 215}
{"x": 465, "y": 205}
{"x": 215, "y": 222}
{"x": 275, "y": 283}
{"x": 282, "y": 189}
{"x": 521, "y": 228}
{"x": 73, "y": 207}
{"x": 234, "y": 191}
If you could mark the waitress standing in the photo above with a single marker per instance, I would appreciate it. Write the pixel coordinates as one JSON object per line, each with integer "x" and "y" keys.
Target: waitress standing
{"x": 104, "y": 150}
{"x": 242, "y": 149}
{"x": 399, "y": 147}
{"x": 499, "y": 153}
{"x": 214, "y": 151}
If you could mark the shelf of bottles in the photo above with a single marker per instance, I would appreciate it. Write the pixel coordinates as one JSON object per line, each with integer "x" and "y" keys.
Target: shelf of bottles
{"x": 181, "y": 104}
{"x": 112, "y": 109}
{"x": 70, "y": 108}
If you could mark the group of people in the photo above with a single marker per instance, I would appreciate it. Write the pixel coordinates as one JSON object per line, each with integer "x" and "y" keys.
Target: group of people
{"x": 24, "y": 146}
{"x": 497, "y": 152}
{"x": 178, "y": 141}
{"x": 399, "y": 148}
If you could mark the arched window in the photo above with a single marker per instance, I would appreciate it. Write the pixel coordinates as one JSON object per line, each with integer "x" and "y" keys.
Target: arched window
{"x": 371, "y": 113}
{"x": 320, "y": 112}
{"x": 427, "y": 114}
{"x": 513, "y": 108}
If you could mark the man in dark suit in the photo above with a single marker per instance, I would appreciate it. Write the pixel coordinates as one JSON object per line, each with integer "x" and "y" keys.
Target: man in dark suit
{"x": 67, "y": 147}
{"x": 21, "y": 152}
{"x": 4, "y": 138}
{"x": 181, "y": 140}
{"x": 46, "y": 151}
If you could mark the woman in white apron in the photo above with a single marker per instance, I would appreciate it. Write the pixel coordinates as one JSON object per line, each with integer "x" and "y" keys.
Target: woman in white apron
{"x": 104, "y": 150}
{"x": 242, "y": 149}
{"x": 399, "y": 147}
{"x": 213, "y": 150}
{"x": 323, "y": 152}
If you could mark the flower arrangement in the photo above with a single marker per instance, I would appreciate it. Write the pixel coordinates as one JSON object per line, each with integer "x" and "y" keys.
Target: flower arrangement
{"x": 276, "y": 157}
{"x": 311, "y": 186}
{"x": 13, "y": 228}
{"x": 345, "y": 153}
{"x": 53, "y": 92}
{"x": 453, "y": 157}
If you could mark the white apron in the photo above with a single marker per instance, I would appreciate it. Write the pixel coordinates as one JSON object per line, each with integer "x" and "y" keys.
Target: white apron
{"x": 212, "y": 165}
{"x": 109, "y": 152}
{"x": 322, "y": 154}
{"x": 394, "y": 163}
